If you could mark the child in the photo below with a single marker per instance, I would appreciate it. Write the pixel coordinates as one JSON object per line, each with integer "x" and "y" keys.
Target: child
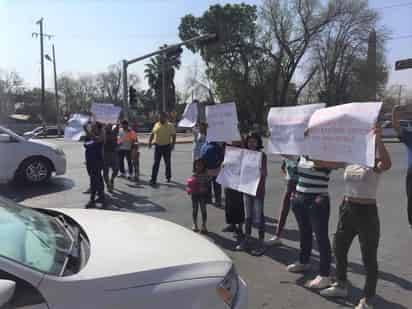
{"x": 198, "y": 188}
{"x": 254, "y": 204}
{"x": 136, "y": 161}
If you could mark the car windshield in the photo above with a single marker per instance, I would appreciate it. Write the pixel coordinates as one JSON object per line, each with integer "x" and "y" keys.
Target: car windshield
{"x": 32, "y": 238}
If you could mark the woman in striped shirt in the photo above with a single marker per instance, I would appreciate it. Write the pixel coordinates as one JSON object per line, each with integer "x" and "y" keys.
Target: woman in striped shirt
{"x": 311, "y": 207}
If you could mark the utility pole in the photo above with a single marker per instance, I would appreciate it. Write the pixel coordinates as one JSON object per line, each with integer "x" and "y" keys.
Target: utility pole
{"x": 400, "y": 94}
{"x": 56, "y": 94}
{"x": 41, "y": 35}
{"x": 163, "y": 83}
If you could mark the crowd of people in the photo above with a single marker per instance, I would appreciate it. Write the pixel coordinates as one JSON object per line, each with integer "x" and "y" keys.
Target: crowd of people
{"x": 306, "y": 194}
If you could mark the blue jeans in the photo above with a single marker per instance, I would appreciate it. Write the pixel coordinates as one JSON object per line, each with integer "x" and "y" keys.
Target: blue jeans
{"x": 254, "y": 214}
{"x": 312, "y": 212}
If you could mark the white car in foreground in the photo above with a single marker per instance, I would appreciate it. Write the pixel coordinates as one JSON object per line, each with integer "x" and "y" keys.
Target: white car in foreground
{"x": 78, "y": 258}
{"x": 31, "y": 161}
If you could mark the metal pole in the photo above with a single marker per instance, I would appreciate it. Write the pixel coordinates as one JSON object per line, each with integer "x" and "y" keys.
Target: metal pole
{"x": 163, "y": 84}
{"x": 125, "y": 94}
{"x": 400, "y": 94}
{"x": 43, "y": 108}
{"x": 56, "y": 91}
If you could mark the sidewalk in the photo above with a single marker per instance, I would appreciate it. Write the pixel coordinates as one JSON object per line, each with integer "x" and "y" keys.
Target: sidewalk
{"x": 181, "y": 138}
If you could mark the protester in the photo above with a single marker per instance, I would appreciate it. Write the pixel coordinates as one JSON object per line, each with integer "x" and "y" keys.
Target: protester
{"x": 234, "y": 208}
{"x": 311, "y": 207}
{"x": 405, "y": 137}
{"x": 94, "y": 163}
{"x": 164, "y": 138}
{"x": 199, "y": 139}
{"x": 255, "y": 204}
{"x": 198, "y": 188}
{"x": 136, "y": 160}
{"x": 358, "y": 216}
{"x": 289, "y": 170}
{"x": 127, "y": 137}
{"x": 213, "y": 154}
{"x": 110, "y": 155}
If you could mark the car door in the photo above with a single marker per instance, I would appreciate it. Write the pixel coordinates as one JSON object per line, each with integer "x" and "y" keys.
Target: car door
{"x": 26, "y": 296}
{"x": 7, "y": 155}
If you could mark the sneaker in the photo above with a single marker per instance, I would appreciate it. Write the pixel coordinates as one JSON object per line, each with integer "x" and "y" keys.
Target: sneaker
{"x": 274, "y": 241}
{"x": 298, "y": 267}
{"x": 363, "y": 304}
{"x": 242, "y": 246}
{"x": 319, "y": 283}
{"x": 195, "y": 228}
{"x": 229, "y": 229}
{"x": 90, "y": 204}
{"x": 336, "y": 290}
{"x": 204, "y": 230}
{"x": 169, "y": 180}
{"x": 153, "y": 183}
{"x": 259, "y": 250}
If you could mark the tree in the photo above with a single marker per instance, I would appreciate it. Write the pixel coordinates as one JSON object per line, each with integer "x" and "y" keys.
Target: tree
{"x": 238, "y": 69}
{"x": 11, "y": 83}
{"x": 341, "y": 54}
{"x": 290, "y": 28}
{"x": 159, "y": 67}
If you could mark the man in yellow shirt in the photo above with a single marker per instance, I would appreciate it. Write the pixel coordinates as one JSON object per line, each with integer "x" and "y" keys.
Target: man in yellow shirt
{"x": 164, "y": 138}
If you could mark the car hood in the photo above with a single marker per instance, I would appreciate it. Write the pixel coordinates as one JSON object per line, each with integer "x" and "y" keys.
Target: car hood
{"x": 43, "y": 143}
{"x": 139, "y": 249}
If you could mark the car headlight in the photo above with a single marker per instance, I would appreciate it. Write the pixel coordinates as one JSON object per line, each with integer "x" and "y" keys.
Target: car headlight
{"x": 229, "y": 287}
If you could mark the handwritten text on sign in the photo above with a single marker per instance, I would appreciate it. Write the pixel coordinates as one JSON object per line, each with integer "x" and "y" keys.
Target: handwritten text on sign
{"x": 222, "y": 123}
{"x": 287, "y": 126}
{"x": 344, "y": 133}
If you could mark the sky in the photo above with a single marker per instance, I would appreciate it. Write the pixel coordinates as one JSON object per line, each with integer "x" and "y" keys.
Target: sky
{"x": 90, "y": 35}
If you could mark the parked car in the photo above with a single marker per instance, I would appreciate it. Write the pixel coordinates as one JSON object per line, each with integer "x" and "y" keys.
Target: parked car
{"x": 389, "y": 132}
{"x": 30, "y": 161}
{"x": 68, "y": 258}
{"x": 51, "y": 131}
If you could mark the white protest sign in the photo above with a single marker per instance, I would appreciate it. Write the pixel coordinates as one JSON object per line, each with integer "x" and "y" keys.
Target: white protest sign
{"x": 241, "y": 170}
{"x": 189, "y": 117}
{"x": 105, "y": 113}
{"x": 287, "y": 126}
{"x": 344, "y": 133}
{"x": 222, "y": 123}
{"x": 74, "y": 128}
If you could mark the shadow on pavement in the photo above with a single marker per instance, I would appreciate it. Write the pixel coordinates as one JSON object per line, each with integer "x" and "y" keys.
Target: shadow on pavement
{"x": 19, "y": 193}
{"x": 123, "y": 201}
{"x": 222, "y": 242}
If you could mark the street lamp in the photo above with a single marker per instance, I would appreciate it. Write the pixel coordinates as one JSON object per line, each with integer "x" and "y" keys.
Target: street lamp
{"x": 53, "y": 60}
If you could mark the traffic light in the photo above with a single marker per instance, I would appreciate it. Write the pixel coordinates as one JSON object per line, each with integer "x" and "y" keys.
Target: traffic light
{"x": 132, "y": 97}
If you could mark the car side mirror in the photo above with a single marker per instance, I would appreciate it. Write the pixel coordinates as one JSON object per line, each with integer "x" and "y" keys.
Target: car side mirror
{"x": 7, "y": 288}
{"x": 5, "y": 138}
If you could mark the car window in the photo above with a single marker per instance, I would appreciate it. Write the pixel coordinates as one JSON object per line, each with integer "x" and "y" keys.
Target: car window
{"x": 52, "y": 131}
{"x": 32, "y": 238}
{"x": 25, "y": 294}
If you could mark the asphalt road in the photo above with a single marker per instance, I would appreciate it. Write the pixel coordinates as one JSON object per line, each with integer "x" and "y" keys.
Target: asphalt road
{"x": 270, "y": 285}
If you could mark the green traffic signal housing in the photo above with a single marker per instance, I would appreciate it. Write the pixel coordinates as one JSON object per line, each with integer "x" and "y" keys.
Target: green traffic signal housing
{"x": 132, "y": 97}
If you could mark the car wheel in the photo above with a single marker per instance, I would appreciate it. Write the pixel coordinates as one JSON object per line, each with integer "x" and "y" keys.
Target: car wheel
{"x": 35, "y": 171}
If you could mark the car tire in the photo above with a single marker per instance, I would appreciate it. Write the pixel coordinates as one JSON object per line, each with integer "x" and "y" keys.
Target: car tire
{"x": 35, "y": 170}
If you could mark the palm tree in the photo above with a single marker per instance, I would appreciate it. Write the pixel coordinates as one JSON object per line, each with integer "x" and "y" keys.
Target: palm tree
{"x": 154, "y": 71}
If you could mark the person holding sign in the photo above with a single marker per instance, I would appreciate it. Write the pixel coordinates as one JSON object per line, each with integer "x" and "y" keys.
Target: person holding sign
{"x": 405, "y": 137}
{"x": 311, "y": 207}
{"x": 127, "y": 137}
{"x": 358, "y": 216}
{"x": 164, "y": 138}
{"x": 254, "y": 204}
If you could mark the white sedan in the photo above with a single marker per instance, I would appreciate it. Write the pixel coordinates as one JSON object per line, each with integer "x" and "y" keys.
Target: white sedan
{"x": 78, "y": 258}
{"x": 30, "y": 161}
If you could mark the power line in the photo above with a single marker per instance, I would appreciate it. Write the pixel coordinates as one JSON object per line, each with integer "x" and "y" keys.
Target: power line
{"x": 401, "y": 37}
{"x": 399, "y": 5}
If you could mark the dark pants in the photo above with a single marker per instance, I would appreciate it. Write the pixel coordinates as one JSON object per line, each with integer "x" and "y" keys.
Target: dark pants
{"x": 409, "y": 194}
{"x": 312, "y": 213}
{"x": 128, "y": 155}
{"x": 110, "y": 163}
{"x": 254, "y": 214}
{"x": 284, "y": 212}
{"x": 199, "y": 201}
{"x": 96, "y": 179}
{"x": 164, "y": 151}
{"x": 217, "y": 191}
{"x": 361, "y": 221}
